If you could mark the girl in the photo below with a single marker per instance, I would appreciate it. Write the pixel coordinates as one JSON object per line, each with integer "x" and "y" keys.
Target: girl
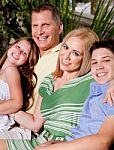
{"x": 16, "y": 82}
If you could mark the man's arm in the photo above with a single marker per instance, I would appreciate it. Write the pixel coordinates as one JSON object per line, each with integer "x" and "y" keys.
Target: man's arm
{"x": 100, "y": 141}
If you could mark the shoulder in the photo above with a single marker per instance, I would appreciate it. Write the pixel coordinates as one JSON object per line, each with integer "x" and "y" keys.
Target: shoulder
{"x": 12, "y": 72}
{"x": 48, "y": 80}
{"x": 46, "y": 87}
{"x": 84, "y": 80}
{"x": 56, "y": 48}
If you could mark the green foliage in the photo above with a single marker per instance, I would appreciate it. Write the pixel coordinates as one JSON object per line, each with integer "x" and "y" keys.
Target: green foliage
{"x": 102, "y": 23}
{"x": 15, "y": 18}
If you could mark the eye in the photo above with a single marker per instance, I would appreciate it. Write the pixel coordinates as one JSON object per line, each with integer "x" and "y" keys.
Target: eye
{"x": 65, "y": 46}
{"x": 45, "y": 25}
{"x": 25, "y": 53}
{"x": 106, "y": 60}
{"x": 35, "y": 26}
{"x": 18, "y": 46}
{"x": 93, "y": 62}
{"x": 76, "y": 53}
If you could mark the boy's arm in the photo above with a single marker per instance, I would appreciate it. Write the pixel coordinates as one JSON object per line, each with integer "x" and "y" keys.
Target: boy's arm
{"x": 101, "y": 141}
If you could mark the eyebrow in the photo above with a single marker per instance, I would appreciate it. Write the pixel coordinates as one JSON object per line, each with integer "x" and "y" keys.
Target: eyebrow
{"x": 102, "y": 57}
{"x": 73, "y": 49}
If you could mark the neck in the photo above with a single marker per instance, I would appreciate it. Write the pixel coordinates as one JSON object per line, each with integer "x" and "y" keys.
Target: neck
{"x": 59, "y": 82}
{"x": 43, "y": 51}
{"x": 69, "y": 76}
{"x": 7, "y": 64}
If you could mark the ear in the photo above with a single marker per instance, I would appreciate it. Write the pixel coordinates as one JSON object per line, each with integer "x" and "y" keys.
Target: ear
{"x": 60, "y": 27}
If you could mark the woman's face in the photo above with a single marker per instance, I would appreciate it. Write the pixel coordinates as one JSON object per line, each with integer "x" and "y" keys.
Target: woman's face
{"x": 19, "y": 53}
{"x": 71, "y": 55}
{"x": 102, "y": 65}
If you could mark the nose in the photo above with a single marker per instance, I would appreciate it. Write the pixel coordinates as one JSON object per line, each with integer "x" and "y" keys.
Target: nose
{"x": 100, "y": 65}
{"x": 18, "y": 52}
{"x": 39, "y": 31}
{"x": 67, "y": 56}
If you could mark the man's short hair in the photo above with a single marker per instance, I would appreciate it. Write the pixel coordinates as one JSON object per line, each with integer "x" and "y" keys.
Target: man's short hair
{"x": 53, "y": 9}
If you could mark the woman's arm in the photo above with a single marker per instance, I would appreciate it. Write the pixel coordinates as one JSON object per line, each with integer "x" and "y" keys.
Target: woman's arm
{"x": 33, "y": 121}
{"x": 101, "y": 141}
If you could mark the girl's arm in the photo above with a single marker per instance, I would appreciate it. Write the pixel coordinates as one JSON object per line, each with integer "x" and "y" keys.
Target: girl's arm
{"x": 101, "y": 141}
{"x": 33, "y": 121}
{"x": 15, "y": 102}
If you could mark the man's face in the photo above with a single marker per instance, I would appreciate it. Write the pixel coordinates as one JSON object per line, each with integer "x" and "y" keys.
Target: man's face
{"x": 45, "y": 31}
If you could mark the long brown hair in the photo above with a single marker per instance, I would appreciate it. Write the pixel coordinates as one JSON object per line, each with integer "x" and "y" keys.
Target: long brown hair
{"x": 89, "y": 37}
{"x": 27, "y": 75}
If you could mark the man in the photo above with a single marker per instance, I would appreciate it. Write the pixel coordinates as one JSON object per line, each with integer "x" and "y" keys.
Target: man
{"x": 46, "y": 30}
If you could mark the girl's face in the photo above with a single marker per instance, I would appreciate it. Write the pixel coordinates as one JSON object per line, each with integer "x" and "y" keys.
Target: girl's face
{"x": 102, "y": 65}
{"x": 19, "y": 53}
{"x": 71, "y": 55}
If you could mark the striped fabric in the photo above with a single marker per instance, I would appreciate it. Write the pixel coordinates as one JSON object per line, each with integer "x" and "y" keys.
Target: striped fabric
{"x": 61, "y": 110}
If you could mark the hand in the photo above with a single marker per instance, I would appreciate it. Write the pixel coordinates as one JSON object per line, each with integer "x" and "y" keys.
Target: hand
{"x": 110, "y": 94}
{"x": 12, "y": 116}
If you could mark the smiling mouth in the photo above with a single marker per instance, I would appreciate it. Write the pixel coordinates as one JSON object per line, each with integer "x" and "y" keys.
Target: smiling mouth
{"x": 14, "y": 56}
{"x": 65, "y": 62}
{"x": 43, "y": 38}
{"x": 101, "y": 74}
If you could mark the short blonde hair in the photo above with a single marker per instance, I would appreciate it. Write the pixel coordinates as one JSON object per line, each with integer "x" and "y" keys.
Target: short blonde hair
{"x": 88, "y": 36}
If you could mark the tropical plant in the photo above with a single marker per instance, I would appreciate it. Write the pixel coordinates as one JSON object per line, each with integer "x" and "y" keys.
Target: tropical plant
{"x": 15, "y": 16}
{"x": 103, "y": 21}
{"x": 15, "y": 19}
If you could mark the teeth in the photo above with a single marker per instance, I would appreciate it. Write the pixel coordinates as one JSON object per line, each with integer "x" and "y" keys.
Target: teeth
{"x": 66, "y": 63}
{"x": 42, "y": 38}
{"x": 14, "y": 56}
{"x": 101, "y": 74}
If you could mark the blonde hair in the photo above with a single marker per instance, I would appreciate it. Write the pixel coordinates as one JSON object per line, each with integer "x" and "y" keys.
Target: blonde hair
{"x": 88, "y": 36}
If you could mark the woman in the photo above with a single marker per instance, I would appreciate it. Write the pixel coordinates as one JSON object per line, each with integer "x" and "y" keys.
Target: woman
{"x": 59, "y": 106}
{"x": 97, "y": 118}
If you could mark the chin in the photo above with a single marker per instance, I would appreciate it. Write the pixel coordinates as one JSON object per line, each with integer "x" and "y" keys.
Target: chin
{"x": 101, "y": 82}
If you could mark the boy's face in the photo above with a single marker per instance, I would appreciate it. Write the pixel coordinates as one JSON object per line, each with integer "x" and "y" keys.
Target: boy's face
{"x": 102, "y": 65}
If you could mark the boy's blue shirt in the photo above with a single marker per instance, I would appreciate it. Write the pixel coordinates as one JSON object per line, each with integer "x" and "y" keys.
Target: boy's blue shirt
{"x": 94, "y": 112}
